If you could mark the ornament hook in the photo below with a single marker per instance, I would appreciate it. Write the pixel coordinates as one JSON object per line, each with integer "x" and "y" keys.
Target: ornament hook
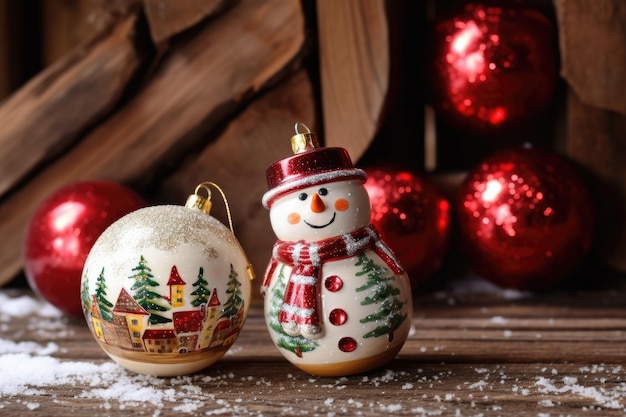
{"x": 297, "y": 127}
{"x": 301, "y": 142}
{"x": 196, "y": 201}
{"x": 204, "y": 204}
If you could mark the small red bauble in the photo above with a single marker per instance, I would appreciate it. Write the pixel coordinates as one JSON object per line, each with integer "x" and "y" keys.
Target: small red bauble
{"x": 525, "y": 219}
{"x": 494, "y": 66}
{"x": 412, "y": 216}
{"x": 62, "y": 231}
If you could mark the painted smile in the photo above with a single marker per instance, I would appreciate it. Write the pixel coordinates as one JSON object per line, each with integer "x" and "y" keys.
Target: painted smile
{"x": 314, "y": 226}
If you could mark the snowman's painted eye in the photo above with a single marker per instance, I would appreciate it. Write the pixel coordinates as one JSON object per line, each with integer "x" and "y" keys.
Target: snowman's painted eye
{"x": 323, "y": 191}
{"x": 302, "y": 196}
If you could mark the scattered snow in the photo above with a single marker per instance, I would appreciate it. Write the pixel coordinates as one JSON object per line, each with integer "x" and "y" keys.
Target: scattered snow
{"x": 569, "y": 385}
{"x": 499, "y": 320}
{"x": 26, "y": 305}
{"x": 42, "y": 369}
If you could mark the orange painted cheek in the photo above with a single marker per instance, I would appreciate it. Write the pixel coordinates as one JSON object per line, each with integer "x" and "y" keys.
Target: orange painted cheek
{"x": 293, "y": 218}
{"x": 342, "y": 204}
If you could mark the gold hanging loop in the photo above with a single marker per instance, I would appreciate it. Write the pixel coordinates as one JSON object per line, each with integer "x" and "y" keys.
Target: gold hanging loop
{"x": 204, "y": 204}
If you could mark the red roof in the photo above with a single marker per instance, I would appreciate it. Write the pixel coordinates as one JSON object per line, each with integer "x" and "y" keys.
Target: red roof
{"x": 159, "y": 334}
{"x": 175, "y": 278}
{"x": 188, "y": 321}
{"x": 223, "y": 324}
{"x": 127, "y": 304}
{"x": 95, "y": 311}
{"x": 214, "y": 301}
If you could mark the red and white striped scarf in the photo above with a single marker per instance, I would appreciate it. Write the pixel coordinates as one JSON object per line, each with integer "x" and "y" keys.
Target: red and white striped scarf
{"x": 300, "y": 313}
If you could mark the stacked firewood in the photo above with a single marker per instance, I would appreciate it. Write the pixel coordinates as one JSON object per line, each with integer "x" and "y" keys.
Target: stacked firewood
{"x": 168, "y": 94}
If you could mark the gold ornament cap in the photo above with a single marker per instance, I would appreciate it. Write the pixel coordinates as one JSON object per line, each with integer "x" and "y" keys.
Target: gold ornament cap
{"x": 198, "y": 202}
{"x": 302, "y": 142}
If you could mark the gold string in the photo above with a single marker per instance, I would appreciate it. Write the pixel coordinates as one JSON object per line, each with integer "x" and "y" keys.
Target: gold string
{"x": 206, "y": 206}
{"x": 205, "y": 185}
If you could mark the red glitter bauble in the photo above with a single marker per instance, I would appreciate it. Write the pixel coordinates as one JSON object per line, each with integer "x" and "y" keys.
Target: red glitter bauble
{"x": 525, "y": 219}
{"x": 62, "y": 231}
{"x": 493, "y": 68}
{"x": 413, "y": 218}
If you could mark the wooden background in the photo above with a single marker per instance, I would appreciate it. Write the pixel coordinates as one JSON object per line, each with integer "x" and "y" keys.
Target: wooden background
{"x": 161, "y": 95}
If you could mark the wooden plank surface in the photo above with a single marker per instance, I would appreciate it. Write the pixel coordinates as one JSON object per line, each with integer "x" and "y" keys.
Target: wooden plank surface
{"x": 490, "y": 354}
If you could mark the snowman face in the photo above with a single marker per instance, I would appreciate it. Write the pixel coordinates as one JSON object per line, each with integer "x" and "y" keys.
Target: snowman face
{"x": 321, "y": 211}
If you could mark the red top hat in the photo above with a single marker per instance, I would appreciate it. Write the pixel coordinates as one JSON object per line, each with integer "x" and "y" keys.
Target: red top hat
{"x": 311, "y": 165}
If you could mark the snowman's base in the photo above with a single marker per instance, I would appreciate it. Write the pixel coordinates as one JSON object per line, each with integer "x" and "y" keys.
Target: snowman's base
{"x": 350, "y": 367}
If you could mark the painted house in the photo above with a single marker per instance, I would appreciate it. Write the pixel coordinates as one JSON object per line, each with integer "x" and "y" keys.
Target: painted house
{"x": 188, "y": 325}
{"x": 212, "y": 308}
{"x": 222, "y": 330}
{"x": 177, "y": 288}
{"x": 96, "y": 318}
{"x": 130, "y": 319}
{"x": 160, "y": 340}
{"x": 236, "y": 324}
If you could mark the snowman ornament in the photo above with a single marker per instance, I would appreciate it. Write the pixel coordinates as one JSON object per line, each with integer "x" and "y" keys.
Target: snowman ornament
{"x": 337, "y": 301}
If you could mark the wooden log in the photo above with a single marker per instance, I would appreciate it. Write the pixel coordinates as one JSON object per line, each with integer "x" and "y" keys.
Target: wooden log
{"x": 354, "y": 70}
{"x": 592, "y": 35}
{"x": 595, "y": 140}
{"x": 237, "y": 161}
{"x": 170, "y": 17}
{"x": 5, "y": 84}
{"x": 197, "y": 87}
{"x": 64, "y": 25}
{"x": 45, "y": 116}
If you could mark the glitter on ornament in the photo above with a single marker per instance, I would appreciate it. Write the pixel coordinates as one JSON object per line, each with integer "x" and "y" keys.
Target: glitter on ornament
{"x": 494, "y": 66}
{"x": 525, "y": 219}
{"x": 413, "y": 217}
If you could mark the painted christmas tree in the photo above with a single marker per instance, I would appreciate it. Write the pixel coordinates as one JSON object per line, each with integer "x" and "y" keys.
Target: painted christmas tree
{"x": 101, "y": 298}
{"x": 84, "y": 293}
{"x": 233, "y": 290}
{"x": 295, "y": 344}
{"x": 389, "y": 315}
{"x": 202, "y": 293}
{"x": 144, "y": 295}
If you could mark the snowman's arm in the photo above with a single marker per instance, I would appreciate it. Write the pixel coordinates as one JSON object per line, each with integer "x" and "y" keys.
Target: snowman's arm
{"x": 267, "y": 278}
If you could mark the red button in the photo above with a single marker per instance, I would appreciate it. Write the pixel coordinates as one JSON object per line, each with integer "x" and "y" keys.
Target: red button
{"x": 338, "y": 317}
{"x": 333, "y": 283}
{"x": 347, "y": 344}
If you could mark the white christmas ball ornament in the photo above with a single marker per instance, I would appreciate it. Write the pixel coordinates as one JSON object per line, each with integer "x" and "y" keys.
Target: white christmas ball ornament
{"x": 166, "y": 289}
